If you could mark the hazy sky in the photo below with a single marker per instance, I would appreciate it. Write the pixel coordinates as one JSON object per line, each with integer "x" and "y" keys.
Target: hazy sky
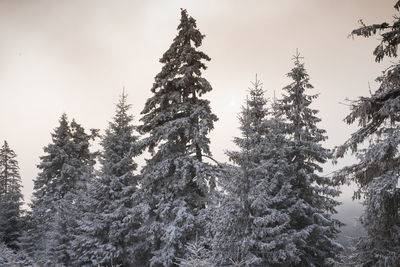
{"x": 76, "y": 56}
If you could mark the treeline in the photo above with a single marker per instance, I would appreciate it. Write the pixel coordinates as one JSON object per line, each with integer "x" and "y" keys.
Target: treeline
{"x": 270, "y": 206}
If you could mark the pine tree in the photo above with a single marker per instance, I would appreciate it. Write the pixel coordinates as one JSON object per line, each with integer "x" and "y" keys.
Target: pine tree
{"x": 107, "y": 229}
{"x": 253, "y": 222}
{"x": 175, "y": 180}
{"x": 234, "y": 238}
{"x": 377, "y": 170}
{"x": 273, "y": 197}
{"x": 10, "y": 198}
{"x": 82, "y": 160}
{"x": 48, "y": 190}
{"x": 311, "y": 219}
{"x": 63, "y": 173}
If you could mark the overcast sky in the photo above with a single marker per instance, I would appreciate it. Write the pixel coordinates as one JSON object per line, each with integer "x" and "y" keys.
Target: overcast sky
{"x": 76, "y": 56}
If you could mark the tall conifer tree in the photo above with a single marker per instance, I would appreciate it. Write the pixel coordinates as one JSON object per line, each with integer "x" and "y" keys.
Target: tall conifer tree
{"x": 64, "y": 170}
{"x": 48, "y": 190}
{"x": 174, "y": 182}
{"x": 378, "y": 167}
{"x": 311, "y": 219}
{"x": 253, "y": 224}
{"x": 10, "y": 198}
{"x": 107, "y": 229}
{"x": 234, "y": 219}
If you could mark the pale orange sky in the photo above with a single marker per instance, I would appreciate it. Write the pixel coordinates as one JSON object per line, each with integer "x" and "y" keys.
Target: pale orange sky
{"x": 75, "y": 57}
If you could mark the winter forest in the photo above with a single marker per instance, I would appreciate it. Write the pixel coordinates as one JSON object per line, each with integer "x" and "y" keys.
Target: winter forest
{"x": 270, "y": 204}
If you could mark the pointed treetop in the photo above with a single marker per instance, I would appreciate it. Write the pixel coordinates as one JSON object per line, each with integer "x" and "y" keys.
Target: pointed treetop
{"x": 188, "y": 29}
{"x": 183, "y": 13}
{"x": 257, "y": 84}
{"x": 122, "y": 105}
{"x": 297, "y": 57}
{"x": 5, "y": 145}
{"x": 185, "y": 18}
{"x": 61, "y": 132}
{"x": 257, "y": 99}
{"x": 64, "y": 117}
{"x": 256, "y": 91}
{"x": 124, "y": 95}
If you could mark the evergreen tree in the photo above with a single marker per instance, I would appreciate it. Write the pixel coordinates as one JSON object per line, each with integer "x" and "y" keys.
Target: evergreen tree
{"x": 253, "y": 222}
{"x": 234, "y": 237}
{"x": 10, "y": 198}
{"x": 63, "y": 172}
{"x": 311, "y": 222}
{"x": 83, "y": 161}
{"x": 377, "y": 170}
{"x": 49, "y": 188}
{"x": 107, "y": 229}
{"x": 175, "y": 180}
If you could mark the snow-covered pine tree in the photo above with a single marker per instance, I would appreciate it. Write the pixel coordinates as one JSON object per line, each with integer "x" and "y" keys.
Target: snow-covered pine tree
{"x": 233, "y": 219}
{"x": 63, "y": 171}
{"x": 83, "y": 161}
{"x": 174, "y": 181}
{"x": 311, "y": 222}
{"x": 273, "y": 198}
{"x": 107, "y": 229}
{"x": 10, "y": 198}
{"x": 252, "y": 224}
{"x": 49, "y": 188}
{"x": 378, "y": 167}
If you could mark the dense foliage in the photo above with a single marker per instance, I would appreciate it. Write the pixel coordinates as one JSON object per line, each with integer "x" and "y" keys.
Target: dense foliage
{"x": 10, "y": 198}
{"x": 175, "y": 181}
{"x": 269, "y": 206}
{"x": 376, "y": 145}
